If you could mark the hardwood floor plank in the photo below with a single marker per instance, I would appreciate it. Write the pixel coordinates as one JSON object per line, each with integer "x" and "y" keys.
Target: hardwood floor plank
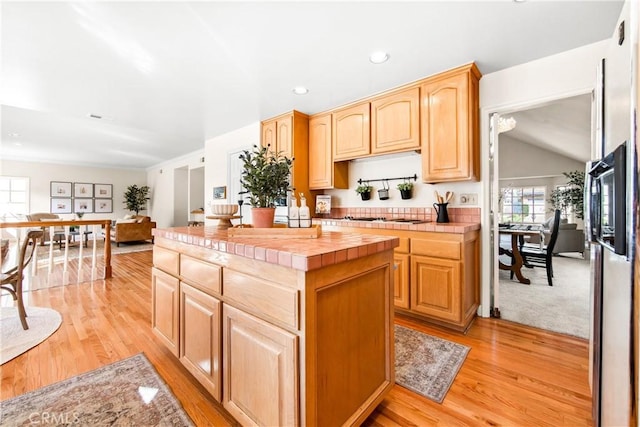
{"x": 513, "y": 376}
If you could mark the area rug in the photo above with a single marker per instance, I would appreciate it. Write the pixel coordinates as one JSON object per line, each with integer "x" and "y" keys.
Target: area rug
{"x": 125, "y": 393}
{"x": 425, "y": 364}
{"x": 14, "y": 340}
{"x": 563, "y": 307}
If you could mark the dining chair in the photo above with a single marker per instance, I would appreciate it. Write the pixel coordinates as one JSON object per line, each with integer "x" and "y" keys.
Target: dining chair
{"x": 11, "y": 280}
{"x": 535, "y": 256}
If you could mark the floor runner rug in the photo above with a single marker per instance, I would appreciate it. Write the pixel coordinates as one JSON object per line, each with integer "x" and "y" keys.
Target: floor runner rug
{"x": 425, "y": 364}
{"x": 125, "y": 393}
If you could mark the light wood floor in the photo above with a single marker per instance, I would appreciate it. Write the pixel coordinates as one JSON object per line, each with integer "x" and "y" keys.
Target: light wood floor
{"x": 513, "y": 375}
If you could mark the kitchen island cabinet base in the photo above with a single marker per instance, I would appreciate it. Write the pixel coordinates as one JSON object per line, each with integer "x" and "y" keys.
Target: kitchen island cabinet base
{"x": 315, "y": 349}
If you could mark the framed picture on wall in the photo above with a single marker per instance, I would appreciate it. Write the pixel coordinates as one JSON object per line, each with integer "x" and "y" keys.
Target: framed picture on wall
{"x": 82, "y": 189}
{"x": 61, "y": 206}
{"x": 219, "y": 193}
{"x": 103, "y": 205}
{"x": 102, "y": 191}
{"x": 82, "y": 205}
{"x": 60, "y": 189}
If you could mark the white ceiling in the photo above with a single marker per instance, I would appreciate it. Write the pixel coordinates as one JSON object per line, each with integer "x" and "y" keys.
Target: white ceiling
{"x": 562, "y": 126}
{"x": 166, "y": 76}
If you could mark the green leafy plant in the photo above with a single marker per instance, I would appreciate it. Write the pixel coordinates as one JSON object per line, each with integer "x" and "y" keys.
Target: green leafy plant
{"x": 404, "y": 186}
{"x": 364, "y": 188}
{"x": 135, "y": 198}
{"x": 571, "y": 196}
{"x": 265, "y": 176}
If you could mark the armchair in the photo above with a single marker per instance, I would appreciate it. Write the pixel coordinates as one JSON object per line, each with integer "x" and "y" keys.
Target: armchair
{"x": 134, "y": 229}
{"x": 45, "y": 216}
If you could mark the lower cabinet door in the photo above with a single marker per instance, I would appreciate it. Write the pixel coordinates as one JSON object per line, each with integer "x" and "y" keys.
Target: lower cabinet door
{"x": 260, "y": 371}
{"x": 401, "y": 280}
{"x": 435, "y": 288}
{"x": 164, "y": 307}
{"x": 200, "y": 339}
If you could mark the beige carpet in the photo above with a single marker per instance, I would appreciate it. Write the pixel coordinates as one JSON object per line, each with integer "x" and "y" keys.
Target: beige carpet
{"x": 126, "y": 393}
{"x": 425, "y": 364}
{"x": 563, "y": 307}
{"x": 42, "y": 323}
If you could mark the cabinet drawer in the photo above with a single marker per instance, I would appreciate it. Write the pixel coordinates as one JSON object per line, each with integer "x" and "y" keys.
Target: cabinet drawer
{"x": 166, "y": 260}
{"x": 264, "y": 299}
{"x": 201, "y": 274}
{"x": 437, "y": 248}
{"x": 403, "y": 247}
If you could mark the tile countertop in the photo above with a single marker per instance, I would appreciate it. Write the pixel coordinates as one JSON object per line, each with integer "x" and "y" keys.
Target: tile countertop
{"x": 300, "y": 254}
{"x": 449, "y": 227}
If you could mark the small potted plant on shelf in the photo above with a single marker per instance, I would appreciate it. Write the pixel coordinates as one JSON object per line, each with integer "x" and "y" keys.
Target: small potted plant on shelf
{"x": 364, "y": 190}
{"x": 405, "y": 189}
{"x": 265, "y": 177}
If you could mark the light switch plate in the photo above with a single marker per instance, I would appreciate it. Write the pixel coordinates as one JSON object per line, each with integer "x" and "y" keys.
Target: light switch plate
{"x": 469, "y": 199}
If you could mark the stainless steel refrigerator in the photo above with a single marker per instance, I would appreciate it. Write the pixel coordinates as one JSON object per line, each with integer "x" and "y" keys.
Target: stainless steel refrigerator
{"x": 611, "y": 190}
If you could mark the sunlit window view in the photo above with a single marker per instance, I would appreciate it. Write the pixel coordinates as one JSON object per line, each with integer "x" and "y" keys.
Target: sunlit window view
{"x": 14, "y": 196}
{"x": 522, "y": 205}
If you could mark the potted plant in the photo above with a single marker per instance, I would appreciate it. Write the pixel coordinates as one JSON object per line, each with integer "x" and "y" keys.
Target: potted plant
{"x": 405, "y": 189}
{"x": 570, "y": 195}
{"x": 265, "y": 177}
{"x": 135, "y": 198}
{"x": 364, "y": 190}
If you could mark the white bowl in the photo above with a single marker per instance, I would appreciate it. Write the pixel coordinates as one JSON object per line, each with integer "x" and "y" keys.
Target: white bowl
{"x": 224, "y": 209}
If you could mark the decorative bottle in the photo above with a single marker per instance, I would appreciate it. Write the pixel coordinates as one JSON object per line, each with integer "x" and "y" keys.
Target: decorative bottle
{"x": 305, "y": 214}
{"x": 294, "y": 213}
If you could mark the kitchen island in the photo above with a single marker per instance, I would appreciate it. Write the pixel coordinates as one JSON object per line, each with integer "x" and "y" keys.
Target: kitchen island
{"x": 280, "y": 331}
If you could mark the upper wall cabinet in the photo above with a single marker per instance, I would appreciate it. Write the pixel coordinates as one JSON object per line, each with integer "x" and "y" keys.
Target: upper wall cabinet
{"x": 289, "y": 135}
{"x": 395, "y": 122}
{"x": 323, "y": 172}
{"x": 351, "y": 132}
{"x": 449, "y": 119}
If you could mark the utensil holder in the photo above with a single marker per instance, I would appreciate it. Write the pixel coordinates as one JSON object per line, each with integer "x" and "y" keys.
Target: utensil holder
{"x": 441, "y": 211}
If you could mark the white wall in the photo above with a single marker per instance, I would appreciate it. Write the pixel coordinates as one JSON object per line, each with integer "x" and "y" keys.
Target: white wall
{"x": 41, "y": 174}
{"x": 554, "y": 77}
{"x": 216, "y": 152}
{"x": 519, "y": 159}
{"x": 161, "y": 180}
{"x": 393, "y": 166}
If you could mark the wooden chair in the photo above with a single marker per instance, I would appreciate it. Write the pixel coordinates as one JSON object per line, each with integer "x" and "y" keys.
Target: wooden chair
{"x": 534, "y": 256}
{"x": 11, "y": 280}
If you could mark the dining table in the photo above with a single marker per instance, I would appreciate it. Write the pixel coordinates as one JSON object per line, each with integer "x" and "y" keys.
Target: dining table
{"x": 517, "y": 234}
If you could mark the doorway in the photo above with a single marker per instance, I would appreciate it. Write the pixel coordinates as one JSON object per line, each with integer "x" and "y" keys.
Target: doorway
{"x": 528, "y": 164}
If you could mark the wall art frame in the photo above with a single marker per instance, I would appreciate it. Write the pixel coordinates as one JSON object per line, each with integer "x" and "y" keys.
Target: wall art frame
{"x": 60, "y": 189}
{"x": 103, "y": 191}
{"x": 82, "y": 190}
{"x": 220, "y": 192}
{"x": 103, "y": 206}
{"x": 61, "y": 205}
{"x": 82, "y": 205}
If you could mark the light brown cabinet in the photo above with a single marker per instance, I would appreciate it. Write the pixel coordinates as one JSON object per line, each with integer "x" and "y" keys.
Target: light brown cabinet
{"x": 395, "y": 121}
{"x": 164, "y": 308}
{"x": 450, "y": 137}
{"x": 200, "y": 338}
{"x": 445, "y": 278}
{"x": 324, "y": 173}
{"x": 289, "y": 134}
{"x": 260, "y": 371}
{"x": 351, "y": 132}
{"x": 275, "y": 345}
{"x": 401, "y": 280}
{"x": 436, "y": 274}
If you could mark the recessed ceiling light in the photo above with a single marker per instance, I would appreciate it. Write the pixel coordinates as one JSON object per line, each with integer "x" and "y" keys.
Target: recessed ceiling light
{"x": 379, "y": 57}
{"x": 300, "y": 90}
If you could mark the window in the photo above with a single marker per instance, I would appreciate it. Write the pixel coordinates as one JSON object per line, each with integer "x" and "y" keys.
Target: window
{"x": 14, "y": 196}
{"x": 524, "y": 204}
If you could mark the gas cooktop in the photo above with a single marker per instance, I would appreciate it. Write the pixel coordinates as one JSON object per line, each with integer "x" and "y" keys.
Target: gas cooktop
{"x": 382, "y": 219}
